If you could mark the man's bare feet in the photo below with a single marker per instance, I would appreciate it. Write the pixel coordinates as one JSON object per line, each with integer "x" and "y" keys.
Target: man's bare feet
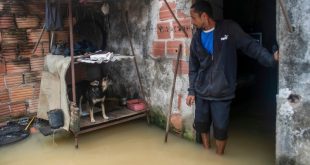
{"x": 220, "y": 146}
{"x": 205, "y": 140}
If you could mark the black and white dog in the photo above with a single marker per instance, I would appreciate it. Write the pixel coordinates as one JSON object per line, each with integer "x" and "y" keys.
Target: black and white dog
{"x": 95, "y": 93}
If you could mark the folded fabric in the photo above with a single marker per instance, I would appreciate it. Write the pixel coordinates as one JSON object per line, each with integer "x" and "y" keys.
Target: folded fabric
{"x": 99, "y": 58}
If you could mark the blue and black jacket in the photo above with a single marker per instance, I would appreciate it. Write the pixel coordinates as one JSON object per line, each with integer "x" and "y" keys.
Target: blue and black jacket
{"x": 213, "y": 77}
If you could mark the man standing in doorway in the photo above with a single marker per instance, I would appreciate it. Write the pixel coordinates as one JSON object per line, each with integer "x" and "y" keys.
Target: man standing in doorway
{"x": 212, "y": 70}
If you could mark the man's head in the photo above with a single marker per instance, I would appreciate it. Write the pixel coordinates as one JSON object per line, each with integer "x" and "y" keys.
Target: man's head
{"x": 202, "y": 15}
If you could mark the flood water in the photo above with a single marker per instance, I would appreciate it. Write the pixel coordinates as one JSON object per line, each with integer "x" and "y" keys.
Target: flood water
{"x": 136, "y": 143}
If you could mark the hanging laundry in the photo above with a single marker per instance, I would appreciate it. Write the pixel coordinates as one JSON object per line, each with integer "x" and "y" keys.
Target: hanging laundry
{"x": 53, "y": 17}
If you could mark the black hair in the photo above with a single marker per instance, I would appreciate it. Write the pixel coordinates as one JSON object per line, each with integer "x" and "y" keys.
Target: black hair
{"x": 203, "y": 6}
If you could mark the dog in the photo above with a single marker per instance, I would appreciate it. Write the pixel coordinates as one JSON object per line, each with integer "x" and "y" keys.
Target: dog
{"x": 96, "y": 93}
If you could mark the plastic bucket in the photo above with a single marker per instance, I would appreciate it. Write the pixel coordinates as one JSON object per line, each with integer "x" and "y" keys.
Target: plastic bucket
{"x": 55, "y": 118}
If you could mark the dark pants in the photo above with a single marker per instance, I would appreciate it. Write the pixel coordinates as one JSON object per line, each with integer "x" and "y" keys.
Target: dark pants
{"x": 212, "y": 112}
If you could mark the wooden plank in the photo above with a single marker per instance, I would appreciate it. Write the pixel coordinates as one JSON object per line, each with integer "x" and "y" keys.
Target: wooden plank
{"x": 113, "y": 115}
{"x": 104, "y": 125}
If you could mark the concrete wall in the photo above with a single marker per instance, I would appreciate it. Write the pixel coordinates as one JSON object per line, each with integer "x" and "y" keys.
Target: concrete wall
{"x": 156, "y": 37}
{"x": 293, "y": 124}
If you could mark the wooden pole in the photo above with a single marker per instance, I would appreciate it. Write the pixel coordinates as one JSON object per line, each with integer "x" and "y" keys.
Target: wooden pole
{"x": 287, "y": 20}
{"x": 72, "y": 51}
{"x": 133, "y": 53}
{"x": 37, "y": 44}
{"x": 172, "y": 92}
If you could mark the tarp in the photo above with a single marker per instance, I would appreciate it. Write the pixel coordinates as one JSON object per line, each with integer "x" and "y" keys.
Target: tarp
{"x": 53, "y": 89}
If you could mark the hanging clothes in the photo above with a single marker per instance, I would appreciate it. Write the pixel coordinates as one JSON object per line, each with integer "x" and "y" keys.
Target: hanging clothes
{"x": 53, "y": 17}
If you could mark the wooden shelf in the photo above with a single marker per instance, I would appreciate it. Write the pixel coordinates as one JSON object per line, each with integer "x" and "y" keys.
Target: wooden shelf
{"x": 116, "y": 57}
{"x": 117, "y": 116}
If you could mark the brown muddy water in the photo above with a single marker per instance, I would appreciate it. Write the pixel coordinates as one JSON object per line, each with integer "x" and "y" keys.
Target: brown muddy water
{"x": 136, "y": 143}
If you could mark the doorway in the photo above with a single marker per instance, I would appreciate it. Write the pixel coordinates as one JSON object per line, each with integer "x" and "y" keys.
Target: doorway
{"x": 254, "y": 108}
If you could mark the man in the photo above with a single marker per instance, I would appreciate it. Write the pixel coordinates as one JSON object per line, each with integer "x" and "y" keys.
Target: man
{"x": 212, "y": 70}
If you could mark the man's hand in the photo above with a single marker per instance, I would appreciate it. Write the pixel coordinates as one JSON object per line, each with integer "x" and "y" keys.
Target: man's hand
{"x": 276, "y": 55}
{"x": 190, "y": 100}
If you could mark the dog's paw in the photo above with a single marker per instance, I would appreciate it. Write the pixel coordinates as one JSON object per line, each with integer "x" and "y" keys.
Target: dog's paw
{"x": 92, "y": 120}
{"x": 106, "y": 117}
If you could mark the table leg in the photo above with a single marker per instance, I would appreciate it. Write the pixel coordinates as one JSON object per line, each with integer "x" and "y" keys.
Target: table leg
{"x": 76, "y": 141}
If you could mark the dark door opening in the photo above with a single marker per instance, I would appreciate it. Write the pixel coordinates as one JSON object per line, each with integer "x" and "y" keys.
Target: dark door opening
{"x": 255, "y": 104}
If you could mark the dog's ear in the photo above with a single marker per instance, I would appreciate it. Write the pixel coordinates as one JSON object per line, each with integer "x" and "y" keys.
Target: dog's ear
{"x": 94, "y": 83}
{"x": 106, "y": 78}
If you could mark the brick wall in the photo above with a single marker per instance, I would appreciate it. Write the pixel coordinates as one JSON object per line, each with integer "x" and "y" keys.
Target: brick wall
{"x": 170, "y": 35}
{"x": 20, "y": 71}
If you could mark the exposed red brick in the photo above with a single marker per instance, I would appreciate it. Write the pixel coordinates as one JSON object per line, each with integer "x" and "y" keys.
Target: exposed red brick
{"x": 27, "y": 22}
{"x": 176, "y": 121}
{"x": 158, "y": 48}
{"x": 4, "y": 110}
{"x": 42, "y": 49}
{"x": 18, "y": 109}
{"x": 31, "y": 77}
{"x": 173, "y": 47}
{"x": 8, "y": 51}
{"x": 21, "y": 93}
{"x": 13, "y": 80}
{"x": 26, "y": 50}
{"x": 163, "y": 30}
{"x": 6, "y": 22}
{"x": 14, "y": 36}
{"x": 2, "y": 82}
{"x": 17, "y": 8}
{"x": 164, "y": 13}
{"x": 36, "y": 7}
{"x": 186, "y": 24}
{"x": 183, "y": 67}
{"x": 4, "y": 96}
{"x": 17, "y": 67}
{"x": 36, "y": 91}
{"x": 36, "y": 64}
{"x": 9, "y": 55}
{"x": 34, "y": 34}
{"x": 2, "y": 67}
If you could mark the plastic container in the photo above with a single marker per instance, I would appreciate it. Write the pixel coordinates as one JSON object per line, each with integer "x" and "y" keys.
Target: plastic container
{"x": 136, "y": 104}
{"x": 55, "y": 118}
